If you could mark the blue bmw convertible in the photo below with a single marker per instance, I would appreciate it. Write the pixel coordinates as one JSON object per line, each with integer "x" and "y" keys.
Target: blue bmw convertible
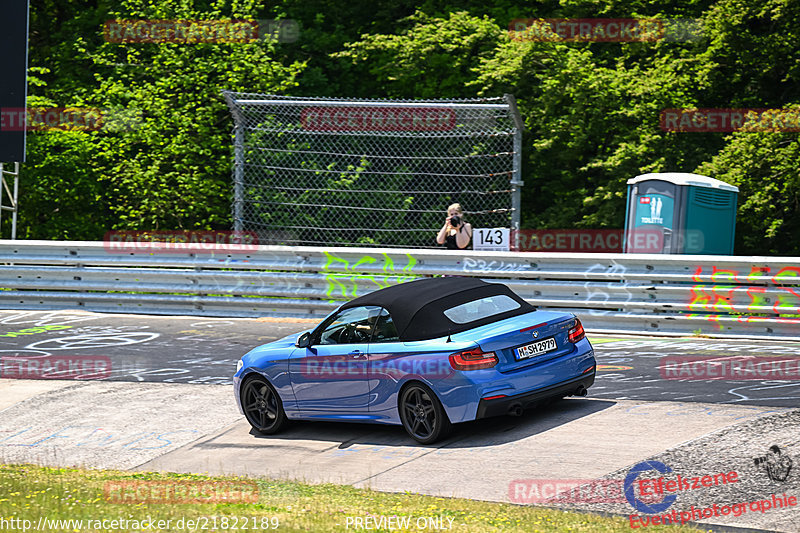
{"x": 424, "y": 354}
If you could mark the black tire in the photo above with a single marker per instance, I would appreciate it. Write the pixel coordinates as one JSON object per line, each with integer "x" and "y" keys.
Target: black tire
{"x": 422, "y": 414}
{"x": 262, "y": 406}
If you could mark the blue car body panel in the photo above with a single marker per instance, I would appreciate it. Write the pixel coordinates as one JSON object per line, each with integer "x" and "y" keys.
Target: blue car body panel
{"x": 318, "y": 394}
{"x": 362, "y": 382}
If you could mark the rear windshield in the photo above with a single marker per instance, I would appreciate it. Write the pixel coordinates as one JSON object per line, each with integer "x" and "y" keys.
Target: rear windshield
{"x": 481, "y": 308}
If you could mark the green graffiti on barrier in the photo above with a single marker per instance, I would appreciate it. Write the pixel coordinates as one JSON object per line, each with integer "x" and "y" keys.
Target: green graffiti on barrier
{"x": 344, "y": 277}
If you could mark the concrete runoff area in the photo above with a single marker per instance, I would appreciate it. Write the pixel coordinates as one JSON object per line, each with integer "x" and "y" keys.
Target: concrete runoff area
{"x": 575, "y": 438}
{"x": 103, "y": 424}
{"x": 16, "y": 390}
{"x": 196, "y": 428}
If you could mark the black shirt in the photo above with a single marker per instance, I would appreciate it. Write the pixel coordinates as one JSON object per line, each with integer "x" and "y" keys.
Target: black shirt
{"x": 450, "y": 242}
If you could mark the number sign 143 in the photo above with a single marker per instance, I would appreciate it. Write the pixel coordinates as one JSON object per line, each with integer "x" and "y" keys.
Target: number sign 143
{"x": 491, "y": 239}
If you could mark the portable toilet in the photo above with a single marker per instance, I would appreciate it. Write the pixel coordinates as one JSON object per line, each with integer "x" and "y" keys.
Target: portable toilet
{"x": 679, "y": 213}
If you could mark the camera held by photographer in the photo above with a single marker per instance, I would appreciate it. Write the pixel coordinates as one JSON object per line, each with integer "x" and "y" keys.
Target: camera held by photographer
{"x": 456, "y": 233}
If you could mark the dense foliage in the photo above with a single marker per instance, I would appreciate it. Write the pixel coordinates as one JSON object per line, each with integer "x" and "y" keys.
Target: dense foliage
{"x": 591, "y": 109}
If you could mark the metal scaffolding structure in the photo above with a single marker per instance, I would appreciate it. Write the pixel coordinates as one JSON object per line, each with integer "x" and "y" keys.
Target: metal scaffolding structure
{"x": 12, "y": 193}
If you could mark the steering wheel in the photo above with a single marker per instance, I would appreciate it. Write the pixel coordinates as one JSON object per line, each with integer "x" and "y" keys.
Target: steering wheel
{"x": 352, "y": 335}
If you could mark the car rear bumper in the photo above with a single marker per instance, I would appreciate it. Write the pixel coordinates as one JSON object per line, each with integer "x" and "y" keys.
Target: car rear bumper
{"x": 501, "y": 406}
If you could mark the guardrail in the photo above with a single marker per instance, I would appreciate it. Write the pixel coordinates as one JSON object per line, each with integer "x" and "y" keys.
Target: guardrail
{"x": 622, "y": 293}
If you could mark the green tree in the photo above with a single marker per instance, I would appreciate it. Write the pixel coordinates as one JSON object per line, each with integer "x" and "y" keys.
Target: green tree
{"x": 431, "y": 58}
{"x": 591, "y": 110}
{"x": 163, "y": 161}
{"x": 764, "y": 167}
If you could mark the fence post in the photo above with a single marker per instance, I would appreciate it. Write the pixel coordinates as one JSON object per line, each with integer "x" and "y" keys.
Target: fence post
{"x": 238, "y": 180}
{"x": 516, "y": 175}
{"x": 238, "y": 164}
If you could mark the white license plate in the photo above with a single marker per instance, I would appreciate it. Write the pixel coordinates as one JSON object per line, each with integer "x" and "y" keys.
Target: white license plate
{"x": 536, "y": 348}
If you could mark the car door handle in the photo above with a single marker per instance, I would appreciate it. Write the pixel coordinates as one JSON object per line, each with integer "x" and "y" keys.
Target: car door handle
{"x": 357, "y": 354}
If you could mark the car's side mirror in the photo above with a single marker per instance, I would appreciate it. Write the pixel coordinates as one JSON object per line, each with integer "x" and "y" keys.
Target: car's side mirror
{"x": 304, "y": 340}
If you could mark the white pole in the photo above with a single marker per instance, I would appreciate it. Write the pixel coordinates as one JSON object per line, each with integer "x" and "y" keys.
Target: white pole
{"x": 16, "y": 202}
{"x": 2, "y": 182}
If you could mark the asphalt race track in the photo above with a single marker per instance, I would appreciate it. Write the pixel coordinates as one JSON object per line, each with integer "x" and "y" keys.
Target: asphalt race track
{"x": 205, "y": 351}
{"x": 160, "y": 400}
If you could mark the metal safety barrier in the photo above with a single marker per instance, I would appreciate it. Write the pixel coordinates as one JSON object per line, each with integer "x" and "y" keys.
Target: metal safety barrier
{"x": 622, "y": 293}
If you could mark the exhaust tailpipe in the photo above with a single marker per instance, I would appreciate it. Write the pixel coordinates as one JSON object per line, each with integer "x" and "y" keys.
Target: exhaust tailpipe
{"x": 515, "y": 409}
{"x": 581, "y": 391}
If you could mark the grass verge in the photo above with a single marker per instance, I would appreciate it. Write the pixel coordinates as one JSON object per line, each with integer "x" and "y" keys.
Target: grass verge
{"x": 31, "y": 493}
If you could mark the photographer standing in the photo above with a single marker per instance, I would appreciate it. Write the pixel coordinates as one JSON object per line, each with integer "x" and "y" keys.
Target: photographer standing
{"x": 456, "y": 234}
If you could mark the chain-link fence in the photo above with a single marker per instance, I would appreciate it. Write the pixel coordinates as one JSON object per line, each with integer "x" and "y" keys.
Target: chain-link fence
{"x": 311, "y": 171}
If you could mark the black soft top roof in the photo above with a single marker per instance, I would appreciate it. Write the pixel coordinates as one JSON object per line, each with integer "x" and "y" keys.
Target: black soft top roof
{"x": 417, "y": 307}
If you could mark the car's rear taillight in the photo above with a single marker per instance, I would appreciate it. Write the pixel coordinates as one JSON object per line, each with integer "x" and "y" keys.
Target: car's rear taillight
{"x": 474, "y": 359}
{"x": 495, "y": 397}
{"x": 576, "y": 333}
